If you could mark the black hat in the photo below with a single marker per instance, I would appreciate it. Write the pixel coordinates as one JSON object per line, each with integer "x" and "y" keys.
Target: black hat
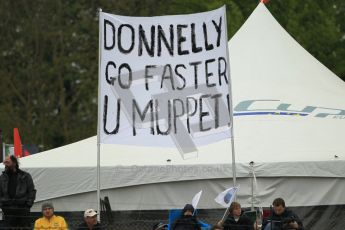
{"x": 188, "y": 207}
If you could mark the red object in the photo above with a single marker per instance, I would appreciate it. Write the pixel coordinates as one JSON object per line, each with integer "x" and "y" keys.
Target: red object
{"x": 264, "y": 1}
{"x": 266, "y": 213}
{"x": 26, "y": 153}
{"x": 18, "y": 150}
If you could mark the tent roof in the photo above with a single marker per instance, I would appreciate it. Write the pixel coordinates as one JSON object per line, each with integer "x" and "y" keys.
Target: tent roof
{"x": 270, "y": 67}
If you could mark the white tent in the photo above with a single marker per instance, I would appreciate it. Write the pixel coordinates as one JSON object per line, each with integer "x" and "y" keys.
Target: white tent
{"x": 289, "y": 120}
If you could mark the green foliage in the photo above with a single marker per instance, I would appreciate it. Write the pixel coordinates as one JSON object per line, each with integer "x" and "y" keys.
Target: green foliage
{"x": 48, "y": 71}
{"x": 49, "y": 55}
{"x": 318, "y": 26}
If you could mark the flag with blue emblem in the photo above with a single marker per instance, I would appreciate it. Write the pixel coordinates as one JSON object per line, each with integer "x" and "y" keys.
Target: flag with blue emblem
{"x": 226, "y": 197}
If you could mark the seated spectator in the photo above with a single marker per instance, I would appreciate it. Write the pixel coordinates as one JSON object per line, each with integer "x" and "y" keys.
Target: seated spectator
{"x": 187, "y": 221}
{"x": 282, "y": 218}
{"x": 90, "y": 221}
{"x": 235, "y": 221}
{"x": 49, "y": 220}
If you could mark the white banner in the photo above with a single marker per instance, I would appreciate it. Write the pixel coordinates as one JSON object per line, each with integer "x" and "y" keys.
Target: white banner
{"x": 164, "y": 80}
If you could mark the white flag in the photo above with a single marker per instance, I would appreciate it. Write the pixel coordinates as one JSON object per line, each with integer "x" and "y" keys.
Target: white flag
{"x": 226, "y": 197}
{"x": 196, "y": 199}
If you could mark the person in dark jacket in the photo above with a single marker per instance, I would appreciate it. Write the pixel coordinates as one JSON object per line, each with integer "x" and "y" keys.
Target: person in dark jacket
{"x": 17, "y": 194}
{"x": 90, "y": 221}
{"x": 187, "y": 221}
{"x": 282, "y": 218}
{"x": 235, "y": 221}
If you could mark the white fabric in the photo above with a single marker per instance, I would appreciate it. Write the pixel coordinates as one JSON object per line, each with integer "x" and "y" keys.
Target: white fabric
{"x": 296, "y": 191}
{"x": 226, "y": 197}
{"x": 268, "y": 65}
{"x": 196, "y": 199}
{"x": 207, "y": 28}
{"x": 294, "y": 156}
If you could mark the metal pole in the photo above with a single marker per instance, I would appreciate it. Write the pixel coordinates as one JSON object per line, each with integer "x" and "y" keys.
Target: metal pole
{"x": 233, "y": 156}
{"x": 252, "y": 171}
{"x": 2, "y": 151}
{"x": 231, "y": 109}
{"x": 98, "y": 118}
{"x": 225, "y": 215}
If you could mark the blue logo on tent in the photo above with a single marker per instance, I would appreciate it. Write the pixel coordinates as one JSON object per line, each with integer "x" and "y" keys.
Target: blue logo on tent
{"x": 227, "y": 197}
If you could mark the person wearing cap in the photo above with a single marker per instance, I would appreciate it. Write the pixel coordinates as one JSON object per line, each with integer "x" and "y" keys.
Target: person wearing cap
{"x": 90, "y": 221}
{"x": 187, "y": 221}
{"x": 49, "y": 221}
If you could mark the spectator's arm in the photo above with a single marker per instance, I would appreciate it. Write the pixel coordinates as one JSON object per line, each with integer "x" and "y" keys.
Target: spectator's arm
{"x": 1, "y": 195}
{"x": 298, "y": 223}
{"x": 64, "y": 225}
{"x": 36, "y": 225}
{"x": 264, "y": 223}
{"x": 31, "y": 191}
{"x": 220, "y": 223}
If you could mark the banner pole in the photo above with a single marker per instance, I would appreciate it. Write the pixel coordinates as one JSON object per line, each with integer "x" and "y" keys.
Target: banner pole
{"x": 2, "y": 148}
{"x": 224, "y": 215}
{"x": 98, "y": 119}
{"x": 231, "y": 110}
{"x": 252, "y": 171}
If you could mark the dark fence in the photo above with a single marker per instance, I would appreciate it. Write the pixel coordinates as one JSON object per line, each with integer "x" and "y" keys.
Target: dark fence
{"x": 314, "y": 218}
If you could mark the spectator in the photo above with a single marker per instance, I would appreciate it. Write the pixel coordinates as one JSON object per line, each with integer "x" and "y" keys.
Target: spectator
{"x": 187, "y": 221}
{"x": 90, "y": 221}
{"x": 49, "y": 220}
{"x": 17, "y": 194}
{"x": 282, "y": 218}
{"x": 235, "y": 221}
{"x": 159, "y": 226}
